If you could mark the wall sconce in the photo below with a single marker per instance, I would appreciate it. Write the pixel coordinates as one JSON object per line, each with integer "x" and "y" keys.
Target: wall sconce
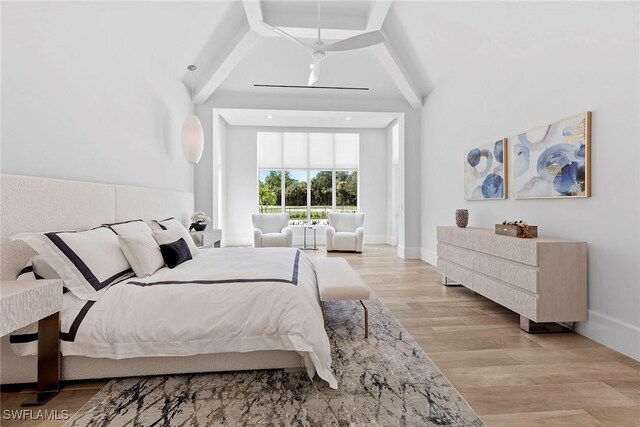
{"x": 192, "y": 134}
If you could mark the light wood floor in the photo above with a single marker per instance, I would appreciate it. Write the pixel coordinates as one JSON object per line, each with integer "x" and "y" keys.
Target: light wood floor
{"x": 509, "y": 377}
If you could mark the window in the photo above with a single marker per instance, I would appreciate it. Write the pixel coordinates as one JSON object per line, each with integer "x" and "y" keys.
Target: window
{"x": 269, "y": 191}
{"x": 308, "y": 174}
{"x": 321, "y": 194}
{"x": 347, "y": 191}
{"x": 295, "y": 190}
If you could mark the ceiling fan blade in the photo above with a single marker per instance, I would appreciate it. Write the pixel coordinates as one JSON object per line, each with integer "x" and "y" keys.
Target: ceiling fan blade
{"x": 315, "y": 72}
{"x": 356, "y": 42}
{"x": 286, "y": 35}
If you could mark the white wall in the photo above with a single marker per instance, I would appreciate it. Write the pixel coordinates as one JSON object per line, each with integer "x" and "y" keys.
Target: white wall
{"x": 241, "y": 164}
{"x": 205, "y": 180}
{"x": 242, "y": 182}
{"x": 394, "y": 179}
{"x": 85, "y": 97}
{"x": 564, "y": 59}
{"x": 372, "y": 180}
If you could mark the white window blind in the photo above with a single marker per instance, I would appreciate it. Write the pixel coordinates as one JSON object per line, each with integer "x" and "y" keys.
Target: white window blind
{"x": 295, "y": 147}
{"x": 347, "y": 150}
{"x": 321, "y": 152}
{"x": 270, "y": 150}
{"x": 296, "y": 150}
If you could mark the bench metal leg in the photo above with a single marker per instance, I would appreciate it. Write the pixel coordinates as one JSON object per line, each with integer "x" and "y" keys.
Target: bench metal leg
{"x": 366, "y": 320}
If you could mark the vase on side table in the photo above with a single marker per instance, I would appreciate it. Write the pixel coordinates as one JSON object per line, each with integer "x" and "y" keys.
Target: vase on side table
{"x": 198, "y": 226}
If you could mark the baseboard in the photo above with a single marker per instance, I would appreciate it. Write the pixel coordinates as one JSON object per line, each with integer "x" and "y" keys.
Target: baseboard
{"x": 236, "y": 241}
{"x": 408, "y": 253}
{"x": 320, "y": 239}
{"x": 379, "y": 239}
{"x": 299, "y": 240}
{"x": 613, "y": 333}
{"x": 392, "y": 241}
{"x": 429, "y": 256}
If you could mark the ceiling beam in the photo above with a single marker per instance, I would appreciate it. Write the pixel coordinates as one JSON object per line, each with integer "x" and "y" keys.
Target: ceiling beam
{"x": 390, "y": 61}
{"x": 388, "y": 57}
{"x": 378, "y": 11}
{"x": 224, "y": 64}
{"x": 253, "y": 10}
{"x": 377, "y": 14}
{"x": 312, "y": 33}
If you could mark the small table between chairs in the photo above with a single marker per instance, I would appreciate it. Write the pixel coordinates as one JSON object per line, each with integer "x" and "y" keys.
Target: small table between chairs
{"x": 306, "y": 227}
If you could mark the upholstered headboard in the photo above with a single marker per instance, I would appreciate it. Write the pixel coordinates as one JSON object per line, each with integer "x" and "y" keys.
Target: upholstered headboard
{"x": 44, "y": 204}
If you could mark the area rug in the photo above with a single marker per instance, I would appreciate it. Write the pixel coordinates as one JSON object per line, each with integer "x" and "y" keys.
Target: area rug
{"x": 384, "y": 380}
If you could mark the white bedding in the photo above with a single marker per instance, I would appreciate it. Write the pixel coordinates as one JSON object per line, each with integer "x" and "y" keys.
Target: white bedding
{"x": 224, "y": 300}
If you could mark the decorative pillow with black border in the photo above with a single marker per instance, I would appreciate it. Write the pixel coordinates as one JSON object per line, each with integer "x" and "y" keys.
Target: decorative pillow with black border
{"x": 175, "y": 253}
{"x": 142, "y": 252}
{"x": 130, "y": 227}
{"x": 174, "y": 224}
{"x": 87, "y": 261}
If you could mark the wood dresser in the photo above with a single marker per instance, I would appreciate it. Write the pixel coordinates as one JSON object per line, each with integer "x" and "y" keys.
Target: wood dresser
{"x": 543, "y": 280}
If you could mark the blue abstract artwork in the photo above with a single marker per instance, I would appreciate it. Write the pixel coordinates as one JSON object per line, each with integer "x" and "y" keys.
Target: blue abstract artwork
{"x": 553, "y": 160}
{"x": 485, "y": 172}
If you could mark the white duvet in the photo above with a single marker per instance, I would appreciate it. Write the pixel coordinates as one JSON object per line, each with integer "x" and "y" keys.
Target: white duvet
{"x": 224, "y": 300}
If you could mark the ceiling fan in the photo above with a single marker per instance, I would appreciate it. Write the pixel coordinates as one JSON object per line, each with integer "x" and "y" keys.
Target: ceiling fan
{"x": 319, "y": 50}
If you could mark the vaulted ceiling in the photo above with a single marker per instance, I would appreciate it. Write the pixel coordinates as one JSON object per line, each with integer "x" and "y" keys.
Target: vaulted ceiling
{"x": 242, "y": 52}
{"x": 427, "y": 41}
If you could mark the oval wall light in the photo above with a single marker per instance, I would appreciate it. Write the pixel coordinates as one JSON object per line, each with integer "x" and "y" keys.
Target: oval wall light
{"x": 192, "y": 134}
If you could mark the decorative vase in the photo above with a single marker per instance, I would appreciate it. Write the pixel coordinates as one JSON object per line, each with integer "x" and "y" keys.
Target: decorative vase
{"x": 462, "y": 218}
{"x": 198, "y": 226}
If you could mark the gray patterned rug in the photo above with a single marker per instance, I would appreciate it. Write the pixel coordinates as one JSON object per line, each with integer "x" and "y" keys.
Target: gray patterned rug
{"x": 384, "y": 380}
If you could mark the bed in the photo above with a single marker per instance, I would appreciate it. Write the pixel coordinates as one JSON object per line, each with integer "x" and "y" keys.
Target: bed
{"x": 205, "y": 315}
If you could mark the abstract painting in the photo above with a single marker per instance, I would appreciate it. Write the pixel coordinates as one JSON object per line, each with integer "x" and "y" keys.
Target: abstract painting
{"x": 485, "y": 172}
{"x": 553, "y": 161}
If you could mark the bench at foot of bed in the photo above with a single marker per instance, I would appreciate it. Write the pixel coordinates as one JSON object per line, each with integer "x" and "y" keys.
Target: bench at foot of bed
{"x": 338, "y": 281}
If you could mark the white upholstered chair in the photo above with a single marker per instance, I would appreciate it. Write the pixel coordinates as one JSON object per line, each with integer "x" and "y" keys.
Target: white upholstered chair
{"x": 271, "y": 230}
{"x": 345, "y": 232}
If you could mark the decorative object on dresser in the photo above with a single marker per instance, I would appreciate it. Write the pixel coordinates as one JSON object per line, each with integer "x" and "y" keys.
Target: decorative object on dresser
{"x": 485, "y": 172}
{"x": 209, "y": 238}
{"x": 544, "y": 280}
{"x": 462, "y": 218}
{"x": 517, "y": 229}
{"x": 553, "y": 161}
{"x": 199, "y": 221}
{"x": 24, "y": 302}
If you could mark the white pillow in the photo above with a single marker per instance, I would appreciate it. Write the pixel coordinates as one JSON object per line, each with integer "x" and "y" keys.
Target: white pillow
{"x": 174, "y": 224}
{"x": 87, "y": 261}
{"x": 142, "y": 252}
{"x": 129, "y": 227}
{"x": 43, "y": 269}
{"x": 36, "y": 269}
{"x": 166, "y": 236}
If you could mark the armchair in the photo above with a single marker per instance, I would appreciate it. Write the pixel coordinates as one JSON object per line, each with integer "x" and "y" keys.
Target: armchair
{"x": 345, "y": 232}
{"x": 271, "y": 230}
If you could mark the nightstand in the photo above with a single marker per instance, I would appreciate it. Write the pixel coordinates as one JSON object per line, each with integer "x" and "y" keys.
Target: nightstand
{"x": 27, "y": 301}
{"x": 208, "y": 238}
